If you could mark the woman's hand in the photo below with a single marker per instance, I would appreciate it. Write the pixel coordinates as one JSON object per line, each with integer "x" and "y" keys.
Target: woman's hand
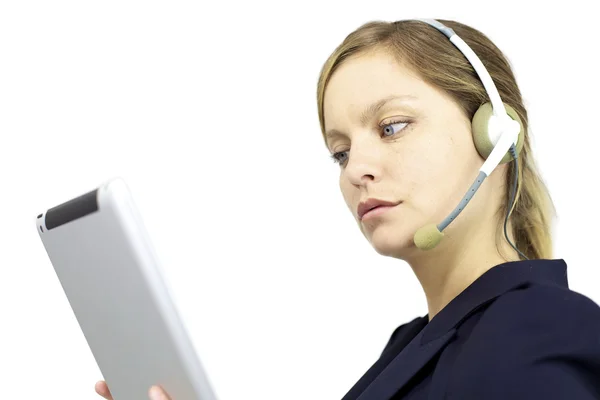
{"x": 155, "y": 392}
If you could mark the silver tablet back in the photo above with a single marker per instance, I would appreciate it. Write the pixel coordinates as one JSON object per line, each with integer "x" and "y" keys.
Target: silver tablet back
{"x": 103, "y": 257}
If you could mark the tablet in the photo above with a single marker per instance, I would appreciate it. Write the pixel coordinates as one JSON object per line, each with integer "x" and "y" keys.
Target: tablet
{"x": 104, "y": 260}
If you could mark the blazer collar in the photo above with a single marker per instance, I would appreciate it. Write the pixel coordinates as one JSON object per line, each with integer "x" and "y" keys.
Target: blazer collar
{"x": 493, "y": 283}
{"x": 443, "y": 327}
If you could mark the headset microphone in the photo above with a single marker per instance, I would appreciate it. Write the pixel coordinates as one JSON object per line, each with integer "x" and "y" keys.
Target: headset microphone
{"x": 429, "y": 236}
{"x": 497, "y": 133}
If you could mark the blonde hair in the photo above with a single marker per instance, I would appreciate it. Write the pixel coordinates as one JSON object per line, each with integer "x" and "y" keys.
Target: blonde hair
{"x": 439, "y": 63}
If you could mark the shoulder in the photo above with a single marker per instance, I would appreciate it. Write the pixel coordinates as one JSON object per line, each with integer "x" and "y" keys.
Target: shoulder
{"x": 533, "y": 310}
{"x": 540, "y": 321}
{"x": 535, "y": 342}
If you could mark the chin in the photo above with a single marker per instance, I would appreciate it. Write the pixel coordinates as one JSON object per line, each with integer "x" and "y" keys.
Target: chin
{"x": 390, "y": 242}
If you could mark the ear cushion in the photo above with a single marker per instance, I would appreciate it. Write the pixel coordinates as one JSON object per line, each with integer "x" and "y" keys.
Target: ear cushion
{"x": 479, "y": 127}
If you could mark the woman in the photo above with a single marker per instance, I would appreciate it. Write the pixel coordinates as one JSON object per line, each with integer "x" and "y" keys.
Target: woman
{"x": 399, "y": 107}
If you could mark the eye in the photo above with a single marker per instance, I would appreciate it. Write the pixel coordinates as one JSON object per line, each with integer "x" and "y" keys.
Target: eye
{"x": 340, "y": 157}
{"x": 393, "y": 127}
{"x": 388, "y": 129}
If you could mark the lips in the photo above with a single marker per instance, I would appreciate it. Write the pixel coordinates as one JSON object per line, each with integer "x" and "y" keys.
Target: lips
{"x": 370, "y": 204}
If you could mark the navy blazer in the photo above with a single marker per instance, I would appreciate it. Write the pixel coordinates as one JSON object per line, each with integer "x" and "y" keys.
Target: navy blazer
{"x": 517, "y": 332}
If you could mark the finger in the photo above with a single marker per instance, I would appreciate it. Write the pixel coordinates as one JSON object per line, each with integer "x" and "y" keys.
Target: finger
{"x": 102, "y": 390}
{"x": 158, "y": 393}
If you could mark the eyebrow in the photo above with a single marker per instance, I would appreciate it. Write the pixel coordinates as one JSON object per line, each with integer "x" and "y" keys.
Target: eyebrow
{"x": 370, "y": 111}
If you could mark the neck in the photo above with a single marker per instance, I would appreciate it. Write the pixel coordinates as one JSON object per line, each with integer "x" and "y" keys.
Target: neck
{"x": 446, "y": 271}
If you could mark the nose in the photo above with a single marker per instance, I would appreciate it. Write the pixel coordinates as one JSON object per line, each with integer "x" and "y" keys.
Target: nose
{"x": 364, "y": 165}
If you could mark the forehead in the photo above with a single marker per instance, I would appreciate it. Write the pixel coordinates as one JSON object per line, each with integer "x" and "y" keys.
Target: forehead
{"x": 364, "y": 79}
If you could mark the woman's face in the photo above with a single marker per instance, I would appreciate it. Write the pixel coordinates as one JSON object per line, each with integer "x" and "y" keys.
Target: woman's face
{"x": 401, "y": 140}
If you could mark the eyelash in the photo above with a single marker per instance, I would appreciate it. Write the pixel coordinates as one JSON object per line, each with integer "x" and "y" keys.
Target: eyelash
{"x": 335, "y": 156}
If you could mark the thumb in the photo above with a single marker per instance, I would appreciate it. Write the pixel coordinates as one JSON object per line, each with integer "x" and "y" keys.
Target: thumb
{"x": 102, "y": 390}
{"x": 157, "y": 393}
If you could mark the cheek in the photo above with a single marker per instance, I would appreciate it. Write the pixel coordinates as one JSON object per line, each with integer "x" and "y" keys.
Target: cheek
{"x": 447, "y": 168}
{"x": 349, "y": 193}
{"x": 426, "y": 168}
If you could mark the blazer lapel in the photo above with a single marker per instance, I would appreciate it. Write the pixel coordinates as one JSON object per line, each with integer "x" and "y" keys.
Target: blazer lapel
{"x": 404, "y": 366}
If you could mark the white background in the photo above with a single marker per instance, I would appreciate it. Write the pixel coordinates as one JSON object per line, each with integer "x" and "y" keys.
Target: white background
{"x": 208, "y": 110}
